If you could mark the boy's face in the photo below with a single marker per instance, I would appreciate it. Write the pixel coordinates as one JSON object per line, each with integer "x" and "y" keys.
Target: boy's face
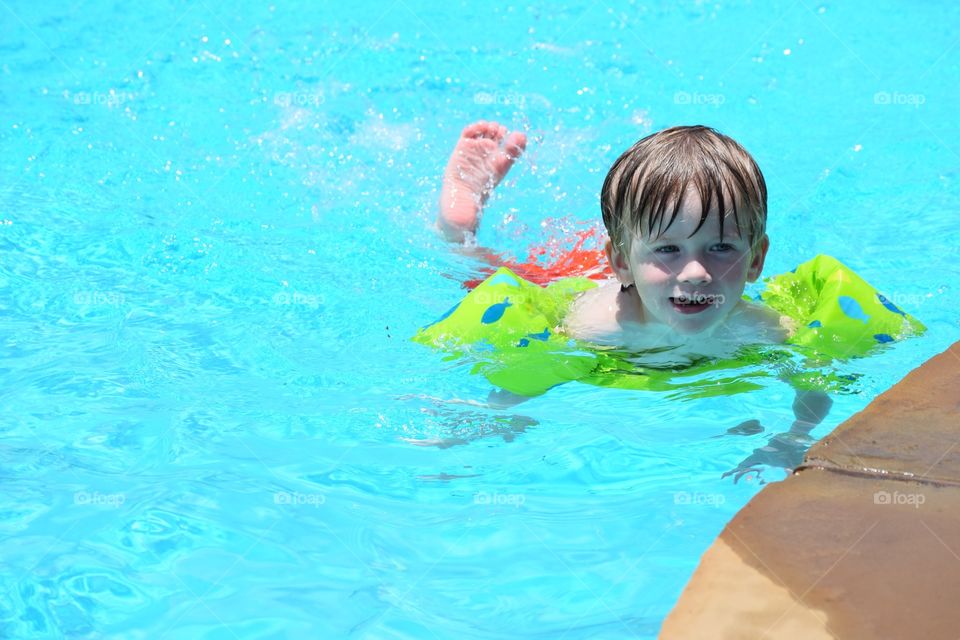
{"x": 690, "y": 284}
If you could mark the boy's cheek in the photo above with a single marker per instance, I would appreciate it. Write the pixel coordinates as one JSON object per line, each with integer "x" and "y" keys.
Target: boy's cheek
{"x": 654, "y": 273}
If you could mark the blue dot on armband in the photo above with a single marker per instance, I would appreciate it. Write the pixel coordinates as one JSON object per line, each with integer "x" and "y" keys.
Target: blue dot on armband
{"x": 495, "y": 311}
{"x": 889, "y": 305}
{"x": 543, "y": 335}
{"x": 852, "y": 308}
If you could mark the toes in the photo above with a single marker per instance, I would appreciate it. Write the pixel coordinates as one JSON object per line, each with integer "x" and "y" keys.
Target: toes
{"x": 511, "y": 151}
{"x": 494, "y": 131}
{"x": 474, "y": 129}
{"x": 484, "y": 129}
{"x": 515, "y": 144}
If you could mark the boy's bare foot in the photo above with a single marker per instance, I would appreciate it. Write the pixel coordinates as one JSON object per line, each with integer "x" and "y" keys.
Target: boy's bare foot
{"x": 483, "y": 155}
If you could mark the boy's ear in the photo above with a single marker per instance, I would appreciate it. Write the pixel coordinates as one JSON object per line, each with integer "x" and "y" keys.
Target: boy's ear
{"x": 617, "y": 258}
{"x": 757, "y": 258}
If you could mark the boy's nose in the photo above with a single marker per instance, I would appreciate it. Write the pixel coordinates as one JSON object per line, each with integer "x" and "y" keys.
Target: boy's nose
{"x": 695, "y": 273}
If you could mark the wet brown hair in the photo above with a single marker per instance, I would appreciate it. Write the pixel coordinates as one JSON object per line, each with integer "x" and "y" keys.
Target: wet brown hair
{"x": 645, "y": 187}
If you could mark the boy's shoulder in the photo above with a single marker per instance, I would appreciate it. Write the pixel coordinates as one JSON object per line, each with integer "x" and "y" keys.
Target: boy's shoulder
{"x": 593, "y": 315}
{"x": 756, "y": 322}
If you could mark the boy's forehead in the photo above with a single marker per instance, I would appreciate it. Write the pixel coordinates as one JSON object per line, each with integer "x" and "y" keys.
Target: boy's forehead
{"x": 687, "y": 222}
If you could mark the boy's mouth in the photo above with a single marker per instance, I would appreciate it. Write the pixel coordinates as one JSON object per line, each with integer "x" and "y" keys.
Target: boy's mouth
{"x": 694, "y": 303}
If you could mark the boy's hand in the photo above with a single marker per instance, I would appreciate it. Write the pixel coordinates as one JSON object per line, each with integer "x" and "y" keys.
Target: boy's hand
{"x": 785, "y": 450}
{"x": 745, "y": 428}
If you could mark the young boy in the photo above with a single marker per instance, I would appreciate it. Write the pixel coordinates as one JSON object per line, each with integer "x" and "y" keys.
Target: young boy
{"x": 685, "y": 210}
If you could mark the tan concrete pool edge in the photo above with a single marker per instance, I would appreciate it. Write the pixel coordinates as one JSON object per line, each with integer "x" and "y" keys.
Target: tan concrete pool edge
{"x": 862, "y": 541}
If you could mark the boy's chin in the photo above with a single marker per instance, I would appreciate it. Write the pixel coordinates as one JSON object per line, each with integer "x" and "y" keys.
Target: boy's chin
{"x": 702, "y": 323}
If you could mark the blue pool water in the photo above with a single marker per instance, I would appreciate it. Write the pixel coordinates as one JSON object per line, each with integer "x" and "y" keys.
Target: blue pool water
{"x": 216, "y": 243}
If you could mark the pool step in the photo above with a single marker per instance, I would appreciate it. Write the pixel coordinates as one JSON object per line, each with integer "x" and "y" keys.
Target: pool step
{"x": 863, "y": 541}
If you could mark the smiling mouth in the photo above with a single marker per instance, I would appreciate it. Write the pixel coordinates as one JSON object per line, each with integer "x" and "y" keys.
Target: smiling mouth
{"x": 694, "y": 303}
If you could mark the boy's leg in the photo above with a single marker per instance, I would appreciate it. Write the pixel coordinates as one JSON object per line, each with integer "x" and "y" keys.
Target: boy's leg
{"x": 480, "y": 160}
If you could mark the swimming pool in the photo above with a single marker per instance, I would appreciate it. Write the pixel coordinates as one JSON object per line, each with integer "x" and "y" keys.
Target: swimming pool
{"x": 216, "y": 244}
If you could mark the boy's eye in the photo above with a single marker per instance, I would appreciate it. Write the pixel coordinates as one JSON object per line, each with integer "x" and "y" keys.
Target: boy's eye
{"x": 667, "y": 248}
{"x": 724, "y": 246}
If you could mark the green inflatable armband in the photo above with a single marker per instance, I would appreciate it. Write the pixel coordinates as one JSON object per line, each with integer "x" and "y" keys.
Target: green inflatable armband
{"x": 510, "y": 328}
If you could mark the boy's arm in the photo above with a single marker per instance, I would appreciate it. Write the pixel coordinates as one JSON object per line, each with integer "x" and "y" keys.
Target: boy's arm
{"x": 786, "y": 449}
{"x": 809, "y": 409}
{"x": 503, "y": 399}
